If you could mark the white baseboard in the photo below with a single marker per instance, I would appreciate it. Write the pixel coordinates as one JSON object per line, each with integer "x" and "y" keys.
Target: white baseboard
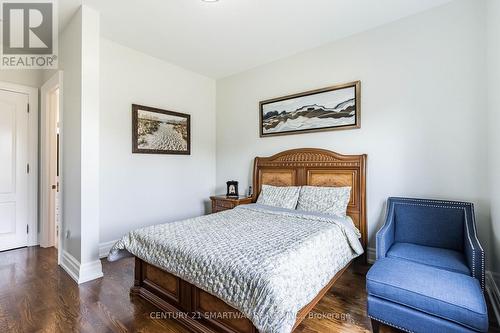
{"x": 70, "y": 265}
{"x": 493, "y": 292}
{"x": 105, "y": 247}
{"x": 371, "y": 255}
{"x": 80, "y": 272}
{"x": 90, "y": 271}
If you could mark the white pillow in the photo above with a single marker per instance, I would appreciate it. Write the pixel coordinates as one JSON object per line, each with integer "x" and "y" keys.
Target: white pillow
{"x": 279, "y": 196}
{"x": 329, "y": 200}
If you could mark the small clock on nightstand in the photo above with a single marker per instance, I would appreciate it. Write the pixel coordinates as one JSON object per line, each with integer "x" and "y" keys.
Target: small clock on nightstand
{"x": 222, "y": 202}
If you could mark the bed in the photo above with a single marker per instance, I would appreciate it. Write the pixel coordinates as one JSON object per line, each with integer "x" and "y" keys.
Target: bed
{"x": 254, "y": 268}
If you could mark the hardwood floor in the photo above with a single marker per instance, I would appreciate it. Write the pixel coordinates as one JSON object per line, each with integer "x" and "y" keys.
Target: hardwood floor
{"x": 36, "y": 295}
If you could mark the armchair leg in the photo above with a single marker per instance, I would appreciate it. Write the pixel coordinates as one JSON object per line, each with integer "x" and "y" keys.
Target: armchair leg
{"x": 375, "y": 326}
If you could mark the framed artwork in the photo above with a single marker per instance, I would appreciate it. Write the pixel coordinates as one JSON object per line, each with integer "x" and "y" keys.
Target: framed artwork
{"x": 232, "y": 188}
{"x": 157, "y": 131}
{"x": 326, "y": 109}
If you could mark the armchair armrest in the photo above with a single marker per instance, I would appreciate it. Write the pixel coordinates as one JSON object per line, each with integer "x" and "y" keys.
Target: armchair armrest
{"x": 385, "y": 236}
{"x": 473, "y": 250}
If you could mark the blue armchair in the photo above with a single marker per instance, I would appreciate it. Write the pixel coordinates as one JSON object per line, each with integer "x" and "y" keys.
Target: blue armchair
{"x": 429, "y": 274}
{"x": 434, "y": 232}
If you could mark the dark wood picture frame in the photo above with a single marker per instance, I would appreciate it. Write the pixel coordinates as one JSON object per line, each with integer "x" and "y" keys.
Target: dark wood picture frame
{"x": 135, "y": 136}
{"x": 357, "y": 109}
{"x": 233, "y": 193}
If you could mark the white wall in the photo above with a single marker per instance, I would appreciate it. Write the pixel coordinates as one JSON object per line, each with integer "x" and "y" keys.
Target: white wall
{"x": 90, "y": 118}
{"x": 493, "y": 29}
{"x": 70, "y": 61}
{"x": 422, "y": 112}
{"x": 141, "y": 189}
{"x": 27, "y": 77}
{"x": 79, "y": 60}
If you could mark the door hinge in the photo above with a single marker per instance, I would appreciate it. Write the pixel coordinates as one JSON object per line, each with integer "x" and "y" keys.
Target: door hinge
{"x": 27, "y": 228}
{"x": 28, "y": 108}
{"x": 28, "y": 168}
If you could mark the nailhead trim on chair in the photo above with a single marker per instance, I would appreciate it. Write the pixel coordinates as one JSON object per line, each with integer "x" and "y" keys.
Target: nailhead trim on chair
{"x": 396, "y": 326}
{"x": 474, "y": 229}
{"x": 436, "y": 201}
{"x": 473, "y": 250}
{"x": 483, "y": 279}
{"x": 426, "y": 205}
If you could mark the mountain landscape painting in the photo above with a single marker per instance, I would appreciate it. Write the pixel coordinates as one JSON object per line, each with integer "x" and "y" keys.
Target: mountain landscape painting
{"x": 323, "y": 109}
{"x": 159, "y": 131}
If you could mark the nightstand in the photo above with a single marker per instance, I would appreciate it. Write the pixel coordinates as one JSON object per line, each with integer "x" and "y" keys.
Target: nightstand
{"x": 221, "y": 202}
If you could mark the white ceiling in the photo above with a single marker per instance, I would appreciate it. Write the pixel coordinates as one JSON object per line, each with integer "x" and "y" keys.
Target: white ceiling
{"x": 67, "y": 8}
{"x": 226, "y": 37}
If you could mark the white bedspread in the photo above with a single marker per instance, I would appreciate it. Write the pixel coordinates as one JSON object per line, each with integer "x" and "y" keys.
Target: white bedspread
{"x": 268, "y": 263}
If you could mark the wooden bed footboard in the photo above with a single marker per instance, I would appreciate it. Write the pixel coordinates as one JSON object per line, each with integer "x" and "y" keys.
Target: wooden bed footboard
{"x": 196, "y": 309}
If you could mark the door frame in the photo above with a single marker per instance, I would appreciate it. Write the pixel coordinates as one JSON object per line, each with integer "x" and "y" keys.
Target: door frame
{"x": 32, "y": 93}
{"x": 56, "y": 81}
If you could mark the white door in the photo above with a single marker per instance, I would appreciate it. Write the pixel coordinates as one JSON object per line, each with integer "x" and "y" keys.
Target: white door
{"x": 14, "y": 170}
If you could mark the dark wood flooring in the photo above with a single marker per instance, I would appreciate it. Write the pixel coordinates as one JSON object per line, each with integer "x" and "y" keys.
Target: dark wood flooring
{"x": 36, "y": 295}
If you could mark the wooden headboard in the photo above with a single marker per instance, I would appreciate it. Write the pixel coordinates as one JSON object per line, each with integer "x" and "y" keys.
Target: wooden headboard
{"x": 317, "y": 167}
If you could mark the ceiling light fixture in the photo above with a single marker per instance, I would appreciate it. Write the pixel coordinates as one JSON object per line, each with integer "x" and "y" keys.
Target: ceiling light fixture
{"x": 210, "y": 0}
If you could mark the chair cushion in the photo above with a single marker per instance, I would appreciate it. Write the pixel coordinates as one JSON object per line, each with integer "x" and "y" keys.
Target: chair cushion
{"x": 430, "y": 223}
{"x": 433, "y": 256}
{"x": 448, "y": 295}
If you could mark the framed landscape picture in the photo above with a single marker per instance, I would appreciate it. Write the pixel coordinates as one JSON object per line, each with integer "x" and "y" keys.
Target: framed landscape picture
{"x": 326, "y": 109}
{"x": 157, "y": 131}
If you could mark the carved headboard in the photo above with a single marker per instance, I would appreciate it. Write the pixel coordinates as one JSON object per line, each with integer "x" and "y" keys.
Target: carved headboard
{"x": 317, "y": 167}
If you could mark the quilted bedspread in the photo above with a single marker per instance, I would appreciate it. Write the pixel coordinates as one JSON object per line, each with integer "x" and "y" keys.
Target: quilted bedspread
{"x": 266, "y": 262}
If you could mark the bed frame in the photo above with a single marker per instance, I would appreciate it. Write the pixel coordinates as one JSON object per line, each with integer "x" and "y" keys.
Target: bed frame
{"x": 202, "y": 312}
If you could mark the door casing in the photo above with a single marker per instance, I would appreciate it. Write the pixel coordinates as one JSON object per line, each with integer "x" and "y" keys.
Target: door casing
{"x": 56, "y": 81}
